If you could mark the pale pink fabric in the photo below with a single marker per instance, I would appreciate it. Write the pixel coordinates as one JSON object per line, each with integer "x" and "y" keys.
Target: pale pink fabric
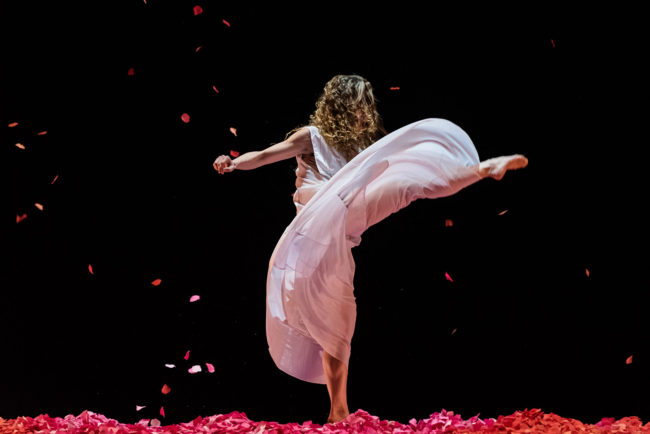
{"x": 310, "y": 299}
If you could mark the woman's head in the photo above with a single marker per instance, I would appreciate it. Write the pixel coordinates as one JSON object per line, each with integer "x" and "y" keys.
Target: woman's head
{"x": 346, "y": 115}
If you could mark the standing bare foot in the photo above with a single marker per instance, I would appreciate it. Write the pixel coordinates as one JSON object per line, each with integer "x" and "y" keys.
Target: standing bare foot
{"x": 498, "y": 166}
{"x": 337, "y": 416}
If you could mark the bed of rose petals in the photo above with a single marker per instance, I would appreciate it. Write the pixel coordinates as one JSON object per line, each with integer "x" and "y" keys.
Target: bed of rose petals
{"x": 527, "y": 421}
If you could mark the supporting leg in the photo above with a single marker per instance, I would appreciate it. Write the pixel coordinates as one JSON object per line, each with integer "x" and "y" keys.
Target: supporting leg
{"x": 336, "y": 375}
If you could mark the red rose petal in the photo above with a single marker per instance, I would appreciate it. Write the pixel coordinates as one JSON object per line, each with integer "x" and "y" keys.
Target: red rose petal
{"x": 198, "y": 48}
{"x": 395, "y": 88}
{"x": 553, "y": 43}
{"x": 156, "y": 282}
{"x": 90, "y": 269}
{"x": 449, "y": 223}
{"x": 503, "y": 212}
{"x": 587, "y": 271}
{"x": 42, "y": 133}
{"x": 198, "y": 10}
{"x": 20, "y": 146}
{"x": 162, "y": 411}
{"x": 185, "y": 117}
{"x": 20, "y": 218}
{"x": 166, "y": 389}
{"x": 234, "y": 153}
{"x": 54, "y": 180}
{"x": 628, "y": 361}
{"x": 210, "y": 367}
{"x": 215, "y": 89}
{"x": 13, "y": 124}
{"x": 39, "y": 206}
{"x": 187, "y": 355}
{"x": 234, "y": 131}
{"x": 131, "y": 71}
{"x": 194, "y": 298}
{"x": 448, "y": 277}
{"x": 226, "y": 22}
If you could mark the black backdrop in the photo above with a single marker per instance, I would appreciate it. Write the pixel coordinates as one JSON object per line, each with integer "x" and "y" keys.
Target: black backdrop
{"x": 521, "y": 326}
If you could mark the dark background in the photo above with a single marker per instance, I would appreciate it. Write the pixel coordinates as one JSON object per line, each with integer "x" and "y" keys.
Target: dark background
{"x": 137, "y": 198}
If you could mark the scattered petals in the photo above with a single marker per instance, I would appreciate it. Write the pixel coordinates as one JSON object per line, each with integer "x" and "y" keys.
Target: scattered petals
{"x": 39, "y": 206}
{"x": 139, "y": 407}
{"x": 628, "y": 361}
{"x": 13, "y": 124}
{"x": 185, "y": 117}
{"x": 20, "y": 218}
{"x": 166, "y": 389}
{"x": 234, "y": 153}
{"x": 169, "y": 365}
{"x": 448, "y": 277}
{"x": 215, "y": 89}
{"x": 194, "y": 369}
{"x": 587, "y": 271}
{"x": 210, "y": 367}
{"x": 187, "y": 355}
{"x": 449, "y": 223}
{"x": 194, "y": 298}
{"x": 503, "y": 212}
{"x": 162, "y": 411}
{"x": 90, "y": 269}
{"x": 131, "y": 71}
{"x": 42, "y": 133}
{"x": 156, "y": 282}
{"x": 395, "y": 88}
{"x": 234, "y": 131}
{"x": 198, "y": 10}
{"x": 54, "y": 180}
{"x": 20, "y": 146}
{"x": 226, "y": 22}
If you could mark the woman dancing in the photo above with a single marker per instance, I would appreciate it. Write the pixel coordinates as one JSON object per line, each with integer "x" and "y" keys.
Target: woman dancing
{"x": 350, "y": 176}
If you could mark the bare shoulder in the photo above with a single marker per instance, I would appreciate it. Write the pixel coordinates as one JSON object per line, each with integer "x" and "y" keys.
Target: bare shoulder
{"x": 302, "y": 139}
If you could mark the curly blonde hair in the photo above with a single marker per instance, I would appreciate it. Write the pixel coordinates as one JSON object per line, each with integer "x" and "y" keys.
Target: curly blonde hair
{"x": 346, "y": 115}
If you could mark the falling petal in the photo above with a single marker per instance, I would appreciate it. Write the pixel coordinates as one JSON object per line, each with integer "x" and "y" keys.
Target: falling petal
{"x": 187, "y": 355}
{"x": 553, "y": 43}
{"x": 42, "y": 133}
{"x": 628, "y": 361}
{"x": 169, "y": 365}
{"x": 20, "y": 146}
{"x": 139, "y": 407}
{"x": 198, "y": 10}
{"x": 194, "y": 298}
{"x": 215, "y": 89}
{"x": 185, "y": 117}
{"x": 226, "y": 22}
{"x": 234, "y": 153}
{"x": 449, "y": 223}
{"x": 155, "y": 422}
{"x": 198, "y": 48}
{"x": 210, "y": 367}
{"x": 54, "y": 180}
{"x": 13, "y": 124}
{"x": 448, "y": 277}
{"x": 453, "y": 331}
{"x": 39, "y": 206}
{"x": 90, "y": 269}
{"x": 131, "y": 71}
{"x": 162, "y": 411}
{"x": 156, "y": 282}
{"x": 234, "y": 131}
{"x": 194, "y": 369}
{"x": 166, "y": 389}
{"x": 20, "y": 218}
{"x": 587, "y": 271}
{"x": 503, "y": 212}
{"x": 395, "y": 88}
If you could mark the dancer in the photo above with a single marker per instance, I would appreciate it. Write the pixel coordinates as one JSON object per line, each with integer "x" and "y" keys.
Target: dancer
{"x": 348, "y": 178}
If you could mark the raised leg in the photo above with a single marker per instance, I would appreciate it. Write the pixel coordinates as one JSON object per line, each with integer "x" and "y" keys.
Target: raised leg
{"x": 336, "y": 375}
{"x": 497, "y": 167}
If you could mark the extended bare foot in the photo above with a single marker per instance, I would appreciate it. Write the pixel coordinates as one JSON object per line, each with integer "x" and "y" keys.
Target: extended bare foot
{"x": 337, "y": 416}
{"x": 498, "y": 166}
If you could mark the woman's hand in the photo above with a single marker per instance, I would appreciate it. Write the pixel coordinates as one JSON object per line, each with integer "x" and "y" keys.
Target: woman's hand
{"x": 223, "y": 164}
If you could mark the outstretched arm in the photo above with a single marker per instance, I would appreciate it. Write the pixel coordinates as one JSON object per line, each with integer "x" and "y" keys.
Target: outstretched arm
{"x": 296, "y": 144}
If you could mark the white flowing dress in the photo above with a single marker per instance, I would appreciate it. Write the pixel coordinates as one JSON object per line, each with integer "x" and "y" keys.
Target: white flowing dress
{"x": 310, "y": 304}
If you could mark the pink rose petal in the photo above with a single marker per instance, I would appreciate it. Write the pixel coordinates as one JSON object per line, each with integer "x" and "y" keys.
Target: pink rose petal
{"x": 54, "y": 180}
{"x": 198, "y": 10}
{"x": 162, "y": 411}
{"x": 587, "y": 271}
{"x": 215, "y": 89}
{"x": 156, "y": 422}
{"x": 194, "y": 298}
{"x": 503, "y": 212}
{"x": 196, "y": 50}
{"x": 170, "y": 365}
{"x": 185, "y": 117}
{"x": 448, "y": 277}
{"x": 226, "y": 22}
{"x": 39, "y": 206}
{"x": 449, "y": 223}
{"x": 139, "y": 407}
{"x": 90, "y": 269}
{"x": 210, "y": 367}
{"x": 13, "y": 124}
{"x": 187, "y": 355}
{"x": 628, "y": 361}
{"x": 234, "y": 131}
{"x": 20, "y": 146}
{"x": 42, "y": 133}
{"x": 156, "y": 282}
{"x": 194, "y": 369}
